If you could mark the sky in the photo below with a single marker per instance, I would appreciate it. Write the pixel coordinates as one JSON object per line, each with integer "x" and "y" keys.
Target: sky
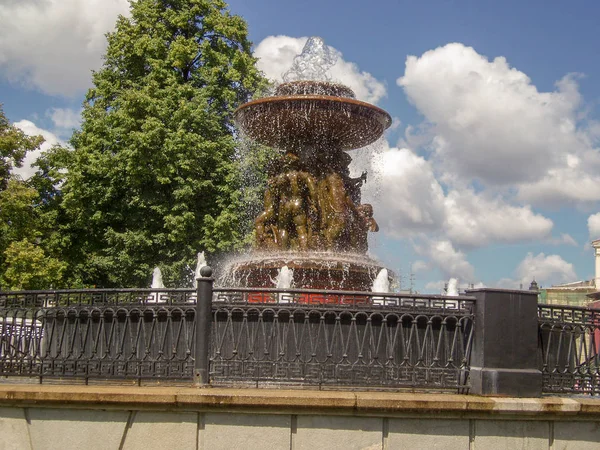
{"x": 490, "y": 170}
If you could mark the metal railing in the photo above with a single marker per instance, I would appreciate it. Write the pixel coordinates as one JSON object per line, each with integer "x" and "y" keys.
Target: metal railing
{"x": 341, "y": 338}
{"x": 104, "y": 333}
{"x": 230, "y": 336}
{"x": 261, "y": 336}
{"x": 569, "y": 342}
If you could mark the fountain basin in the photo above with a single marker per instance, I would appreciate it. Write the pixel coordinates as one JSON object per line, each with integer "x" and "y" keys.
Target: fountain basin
{"x": 297, "y": 122}
{"x": 311, "y": 270}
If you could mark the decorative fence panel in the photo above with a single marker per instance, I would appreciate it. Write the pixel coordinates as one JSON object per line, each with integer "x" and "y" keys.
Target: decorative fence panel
{"x": 341, "y": 339}
{"x": 569, "y": 344}
{"x": 98, "y": 334}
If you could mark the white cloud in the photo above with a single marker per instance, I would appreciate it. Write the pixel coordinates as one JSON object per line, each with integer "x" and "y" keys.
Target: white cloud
{"x": 65, "y": 118}
{"x": 53, "y": 45}
{"x": 563, "y": 239}
{"x": 451, "y": 262}
{"x": 437, "y": 287}
{"x": 412, "y": 200}
{"x": 545, "y": 269}
{"x": 474, "y": 220}
{"x": 562, "y": 186}
{"x": 419, "y": 266}
{"x": 276, "y": 54}
{"x": 593, "y": 224}
{"x": 30, "y": 129}
{"x": 486, "y": 120}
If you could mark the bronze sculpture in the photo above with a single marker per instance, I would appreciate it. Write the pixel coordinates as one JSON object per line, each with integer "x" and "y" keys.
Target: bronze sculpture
{"x": 311, "y": 202}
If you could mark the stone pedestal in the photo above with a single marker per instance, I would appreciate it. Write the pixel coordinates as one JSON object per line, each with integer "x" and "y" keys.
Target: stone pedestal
{"x": 504, "y": 358}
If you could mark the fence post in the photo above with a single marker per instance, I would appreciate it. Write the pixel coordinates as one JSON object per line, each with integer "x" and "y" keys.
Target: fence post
{"x": 504, "y": 357}
{"x": 204, "y": 294}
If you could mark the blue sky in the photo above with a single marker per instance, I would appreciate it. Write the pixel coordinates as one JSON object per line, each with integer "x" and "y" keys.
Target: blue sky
{"x": 491, "y": 168}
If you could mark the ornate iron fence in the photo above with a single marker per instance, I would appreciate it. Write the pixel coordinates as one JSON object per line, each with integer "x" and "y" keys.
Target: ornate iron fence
{"x": 242, "y": 336}
{"x": 569, "y": 342}
{"x": 341, "y": 338}
{"x": 105, "y": 333}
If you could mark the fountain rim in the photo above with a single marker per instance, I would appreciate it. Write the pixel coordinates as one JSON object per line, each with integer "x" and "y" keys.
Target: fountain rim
{"x": 322, "y": 98}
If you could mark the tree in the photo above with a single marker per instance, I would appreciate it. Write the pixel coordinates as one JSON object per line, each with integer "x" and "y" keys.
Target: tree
{"x": 29, "y": 267}
{"x": 152, "y": 177}
{"x": 28, "y": 240}
{"x": 24, "y": 264}
{"x": 14, "y": 144}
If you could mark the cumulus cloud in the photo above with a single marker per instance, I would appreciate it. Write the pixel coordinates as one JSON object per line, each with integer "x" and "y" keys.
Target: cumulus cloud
{"x": 31, "y": 129}
{"x": 547, "y": 270}
{"x": 486, "y": 120}
{"x": 276, "y": 54}
{"x": 593, "y": 224}
{"x": 563, "y": 239}
{"x": 53, "y": 45}
{"x": 474, "y": 220}
{"x": 562, "y": 186}
{"x": 65, "y": 118}
{"x": 414, "y": 201}
{"x": 451, "y": 262}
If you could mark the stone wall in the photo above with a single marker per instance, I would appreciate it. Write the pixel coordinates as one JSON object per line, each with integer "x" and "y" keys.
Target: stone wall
{"x": 91, "y": 417}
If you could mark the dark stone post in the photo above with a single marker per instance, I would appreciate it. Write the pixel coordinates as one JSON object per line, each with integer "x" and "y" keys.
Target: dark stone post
{"x": 204, "y": 294}
{"x": 504, "y": 357}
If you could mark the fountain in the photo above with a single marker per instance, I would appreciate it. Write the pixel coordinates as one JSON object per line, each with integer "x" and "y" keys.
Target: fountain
{"x": 157, "y": 283}
{"x": 284, "y": 279}
{"x": 157, "y": 279}
{"x": 313, "y": 221}
{"x": 452, "y": 287}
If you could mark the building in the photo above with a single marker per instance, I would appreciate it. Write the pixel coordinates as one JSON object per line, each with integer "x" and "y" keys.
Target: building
{"x": 571, "y": 294}
{"x": 577, "y": 293}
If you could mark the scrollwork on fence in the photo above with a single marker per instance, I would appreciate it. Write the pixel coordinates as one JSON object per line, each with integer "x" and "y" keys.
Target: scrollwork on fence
{"x": 569, "y": 344}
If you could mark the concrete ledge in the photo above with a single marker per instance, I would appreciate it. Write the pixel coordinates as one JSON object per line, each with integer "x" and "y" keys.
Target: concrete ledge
{"x": 275, "y": 401}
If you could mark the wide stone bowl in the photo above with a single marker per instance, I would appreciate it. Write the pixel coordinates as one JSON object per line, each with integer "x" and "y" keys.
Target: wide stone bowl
{"x": 311, "y": 270}
{"x": 295, "y": 122}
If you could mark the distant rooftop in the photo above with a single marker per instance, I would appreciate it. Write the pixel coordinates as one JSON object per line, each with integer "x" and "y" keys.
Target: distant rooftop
{"x": 589, "y": 284}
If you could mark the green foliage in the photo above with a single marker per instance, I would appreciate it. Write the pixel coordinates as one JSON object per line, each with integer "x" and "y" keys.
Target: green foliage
{"x": 29, "y": 267}
{"x": 24, "y": 226}
{"x": 14, "y": 144}
{"x": 152, "y": 179}
{"x": 27, "y": 239}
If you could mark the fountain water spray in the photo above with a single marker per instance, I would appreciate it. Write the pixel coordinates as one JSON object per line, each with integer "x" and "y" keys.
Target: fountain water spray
{"x": 157, "y": 283}
{"x": 284, "y": 278}
{"x": 157, "y": 279}
{"x": 312, "y": 64}
{"x": 199, "y": 265}
{"x": 381, "y": 285}
{"x": 452, "y": 289}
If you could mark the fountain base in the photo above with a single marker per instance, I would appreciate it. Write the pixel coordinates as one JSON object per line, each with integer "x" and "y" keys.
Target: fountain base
{"x": 314, "y": 270}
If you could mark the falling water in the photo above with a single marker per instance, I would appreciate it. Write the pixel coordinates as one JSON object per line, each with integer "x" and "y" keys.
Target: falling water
{"x": 305, "y": 116}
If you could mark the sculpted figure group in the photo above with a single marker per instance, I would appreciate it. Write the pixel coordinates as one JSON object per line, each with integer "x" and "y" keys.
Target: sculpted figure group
{"x": 312, "y": 203}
